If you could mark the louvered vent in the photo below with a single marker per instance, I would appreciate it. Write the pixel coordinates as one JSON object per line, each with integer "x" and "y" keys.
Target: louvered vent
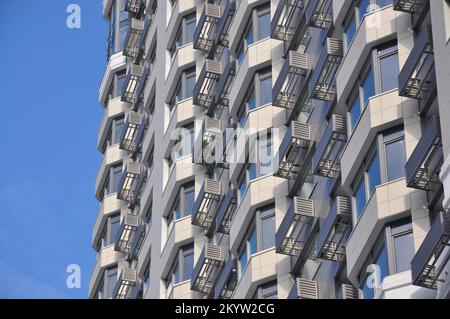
{"x": 304, "y": 206}
{"x": 307, "y": 289}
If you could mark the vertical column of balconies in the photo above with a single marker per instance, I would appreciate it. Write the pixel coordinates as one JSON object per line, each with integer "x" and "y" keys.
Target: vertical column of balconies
{"x": 211, "y": 94}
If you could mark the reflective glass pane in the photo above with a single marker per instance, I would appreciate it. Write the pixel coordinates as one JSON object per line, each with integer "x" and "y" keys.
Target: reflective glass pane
{"x": 189, "y": 198}
{"x": 360, "y": 200}
{"x": 350, "y": 32}
{"x": 252, "y": 243}
{"x": 355, "y": 112}
{"x": 188, "y": 265}
{"x": 373, "y": 174}
{"x": 404, "y": 251}
{"x": 389, "y": 69}
{"x": 368, "y": 87}
{"x": 264, "y": 26}
{"x": 266, "y": 90}
{"x": 396, "y": 159}
{"x": 268, "y": 232}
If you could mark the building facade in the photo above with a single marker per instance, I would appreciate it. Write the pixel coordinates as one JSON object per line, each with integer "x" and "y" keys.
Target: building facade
{"x": 274, "y": 149}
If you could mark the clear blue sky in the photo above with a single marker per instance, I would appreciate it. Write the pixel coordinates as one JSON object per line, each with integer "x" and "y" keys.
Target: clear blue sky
{"x": 49, "y": 79}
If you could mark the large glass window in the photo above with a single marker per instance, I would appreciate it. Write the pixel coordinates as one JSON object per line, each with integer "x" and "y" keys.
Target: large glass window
{"x": 395, "y": 155}
{"x": 259, "y": 236}
{"x": 391, "y": 254}
{"x": 185, "y": 33}
{"x": 263, "y": 17}
{"x": 185, "y": 143}
{"x": 185, "y": 201}
{"x": 359, "y": 201}
{"x": 267, "y": 291}
{"x": 373, "y": 173}
{"x": 111, "y": 274}
{"x": 389, "y": 68}
{"x": 185, "y": 87}
{"x": 182, "y": 266}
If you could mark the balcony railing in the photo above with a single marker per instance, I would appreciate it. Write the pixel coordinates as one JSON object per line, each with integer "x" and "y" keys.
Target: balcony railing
{"x": 304, "y": 289}
{"x": 291, "y": 80}
{"x": 138, "y": 240}
{"x": 433, "y": 255}
{"x": 223, "y": 26}
{"x": 128, "y": 226}
{"x": 206, "y": 203}
{"x": 134, "y": 6}
{"x": 133, "y": 132}
{"x": 207, "y": 268}
{"x": 139, "y": 94}
{"x": 223, "y": 86}
{"x": 417, "y": 8}
{"x": 227, "y": 280}
{"x": 131, "y": 182}
{"x": 204, "y": 35}
{"x": 326, "y": 158}
{"x": 323, "y": 77}
{"x": 126, "y": 281}
{"x": 226, "y": 211}
{"x": 417, "y": 79}
{"x": 334, "y": 231}
{"x": 285, "y": 19}
{"x": 319, "y": 13}
{"x": 296, "y": 141}
{"x": 135, "y": 31}
{"x": 130, "y": 85}
{"x": 295, "y": 229}
{"x": 204, "y": 89}
{"x": 423, "y": 166}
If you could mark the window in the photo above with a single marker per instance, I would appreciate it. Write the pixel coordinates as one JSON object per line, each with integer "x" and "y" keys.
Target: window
{"x": 185, "y": 33}
{"x": 385, "y": 163}
{"x": 258, "y": 94}
{"x": 123, "y": 24}
{"x": 184, "y": 203}
{"x": 111, "y": 37}
{"x": 258, "y": 28}
{"x": 267, "y": 291}
{"x": 392, "y": 253}
{"x": 350, "y": 30}
{"x": 110, "y": 230}
{"x": 394, "y": 144}
{"x": 259, "y": 236}
{"x": 115, "y": 133}
{"x": 182, "y": 266}
{"x": 185, "y": 87}
{"x": 146, "y": 277}
{"x": 379, "y": 75}
{"x": 112, "y": 182}
{"x": 388, "y": 64}
{"x": 185, "y": 144}
{"x": 111, "y": 275}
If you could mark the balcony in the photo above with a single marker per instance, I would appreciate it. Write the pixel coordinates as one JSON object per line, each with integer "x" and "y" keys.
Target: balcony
{"x": 319, "y": 14}
{"x": 227, "y": 280}
{"x": 334, "y": 231}
{"x": 206, "y": 203}
{"x": 417, "y": 79}
{"x": 326, "y": 158}
{"x": 126, "y": 281}
{"x": 204, "y": 89}
{"x": 204, "y": 33}
{"x": 131, "y": 182}
{"x": 136, "y": 243}
{"x": 423, "y": 166}
{"x": 136, "y": 29}
{"x": 134, "y": 6}
{"x": 133, "y": 132}
{"x": 323, "y": 78}
{"x": 209, "y": 146}
{"x": 304, "y": 289}
{"x": 433, "y": 255}
{"x": 225, "y": 212}
{"x": 291, "y": 80}
{"x": 125, "y": 233}
{"x": 296, "y": 141}
{"x": 222, "y": 97}
{"x": 285, "y": 19}
{"x": 130, "y": 85}
{"x": 417, "y": 8}
{"x": 207, "y": 268}
{"x": 139, "y": 95}
{"x": 223, "y": 26}
{"x": 294, "y": 231}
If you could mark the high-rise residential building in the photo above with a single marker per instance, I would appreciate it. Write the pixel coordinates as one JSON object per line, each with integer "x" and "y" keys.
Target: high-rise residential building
{"x": 274, "y": 149}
